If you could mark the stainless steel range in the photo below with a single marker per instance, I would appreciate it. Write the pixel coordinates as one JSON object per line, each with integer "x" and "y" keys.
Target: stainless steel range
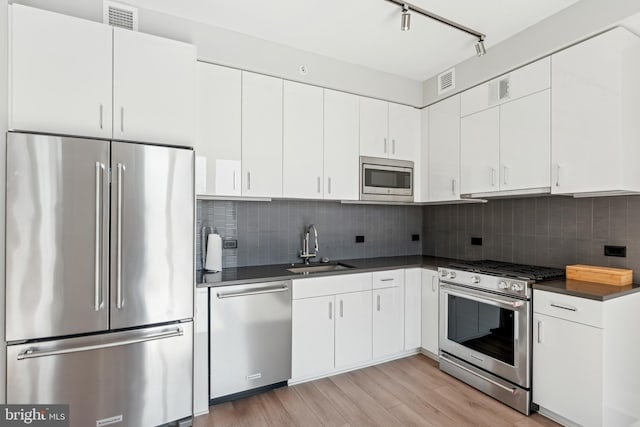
{"x": 485, "y": 326}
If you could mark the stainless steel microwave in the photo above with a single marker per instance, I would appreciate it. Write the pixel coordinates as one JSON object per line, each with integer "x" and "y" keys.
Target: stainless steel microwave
{"x": 386, "y": 180}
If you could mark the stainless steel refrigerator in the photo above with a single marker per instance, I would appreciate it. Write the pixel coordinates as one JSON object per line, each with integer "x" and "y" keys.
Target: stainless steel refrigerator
{"x": 99, "y": 278}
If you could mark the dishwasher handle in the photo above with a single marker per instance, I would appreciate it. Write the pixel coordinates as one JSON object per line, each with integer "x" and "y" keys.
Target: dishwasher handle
{"x": 253, "y": 291}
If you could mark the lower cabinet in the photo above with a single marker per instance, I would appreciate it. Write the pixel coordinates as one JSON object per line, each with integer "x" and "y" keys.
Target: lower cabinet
{"x": 412, "y": 308}
{"x": 388, "y": 321}
{"x": 430, "y": 306}
{"x": 352, "y": 329}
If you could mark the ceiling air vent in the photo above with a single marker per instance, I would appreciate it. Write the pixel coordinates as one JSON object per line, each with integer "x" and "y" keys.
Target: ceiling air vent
{"x": 446, "y": 81}
{"x": 120, "y": 15}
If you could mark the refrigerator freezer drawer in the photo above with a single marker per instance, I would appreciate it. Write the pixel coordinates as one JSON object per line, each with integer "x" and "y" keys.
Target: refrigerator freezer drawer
{"x": 250, "y": 337}
{"x": 143, "y": 376}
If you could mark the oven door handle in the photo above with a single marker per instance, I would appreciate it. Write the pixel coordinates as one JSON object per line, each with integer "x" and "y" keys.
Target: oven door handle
{"x": 484, "y": 299}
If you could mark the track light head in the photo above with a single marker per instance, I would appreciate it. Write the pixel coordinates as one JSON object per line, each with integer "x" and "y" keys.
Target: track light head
{"x": 480, "y": 49}
{"x": 405, "y": 23}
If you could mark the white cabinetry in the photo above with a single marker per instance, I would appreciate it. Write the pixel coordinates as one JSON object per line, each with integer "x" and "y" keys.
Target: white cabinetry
{"x": 218, "y": 137}
{"x": 595, "y": 105}
{"x": 261, "y": 135}
{"x": 331, "y": 324}
{"x": 201, "y": 352}
{"x": 443, "y": 169}
{"x": 505, "y": 133}
{"x": 341, "y": 146}
{"x": 412, "y": 308}
{"x": 584, "y": 359}
{"x": 154, "y": 81}
{"x": 302, "y": 174}
{"x": 389, "y": 130}
{"x": 388, "y": 313}
{"x": 430, "y": 304}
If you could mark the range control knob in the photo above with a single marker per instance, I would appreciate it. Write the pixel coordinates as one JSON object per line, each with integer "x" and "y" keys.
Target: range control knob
{"x": 443, "y": 273}
{"x": 517, "y": 287}
{"x": 452, "y": 275}
{"x": 475, "y": 279}
{"x": 503, "y": 284}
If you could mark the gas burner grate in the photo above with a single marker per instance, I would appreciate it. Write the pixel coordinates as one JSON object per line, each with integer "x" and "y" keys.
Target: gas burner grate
{"x": 507, "y": 269}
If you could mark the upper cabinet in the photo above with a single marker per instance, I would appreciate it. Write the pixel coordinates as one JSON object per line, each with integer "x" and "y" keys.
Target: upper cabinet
{"x": 341, "y": 155}
{"x": 595, "y": 109}
{"x": 219, "y": 133}
{"x": 443, "y": 142}
{"x": 389, "y": 130}
{"x": 261, "y": 135}
{"x": 302, "y": 172}
{"x": 153, "y": 89}
{"x": 65, "y": 72}
{"x": 60, "y": 74}
{"x": 506, "y": 133}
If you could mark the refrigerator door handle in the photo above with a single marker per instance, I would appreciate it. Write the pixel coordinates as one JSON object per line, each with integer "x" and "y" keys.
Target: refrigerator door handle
{"x": 98, "y": 240}
{"x": 119, "y": 298}
{"x": 33, "y": 352}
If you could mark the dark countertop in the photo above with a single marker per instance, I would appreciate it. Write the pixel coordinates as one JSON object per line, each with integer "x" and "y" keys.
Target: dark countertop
{"x": 589, "y": 290}
{"x": 268, "y": 273}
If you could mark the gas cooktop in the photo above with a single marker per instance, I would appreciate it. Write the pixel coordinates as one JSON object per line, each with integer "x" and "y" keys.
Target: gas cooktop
{"x": 507, "y": 269}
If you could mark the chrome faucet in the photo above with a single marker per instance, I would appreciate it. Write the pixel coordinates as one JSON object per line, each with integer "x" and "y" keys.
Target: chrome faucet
{"x": 304, "y": 253}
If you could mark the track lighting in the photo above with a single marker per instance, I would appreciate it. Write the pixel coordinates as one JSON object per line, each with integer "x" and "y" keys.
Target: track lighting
{"x": 480, "y": 49}
{"x": 405, "y": 23}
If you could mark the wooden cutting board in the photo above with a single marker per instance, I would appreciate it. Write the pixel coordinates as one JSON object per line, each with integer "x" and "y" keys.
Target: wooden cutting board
{"x": 596, "y": 274}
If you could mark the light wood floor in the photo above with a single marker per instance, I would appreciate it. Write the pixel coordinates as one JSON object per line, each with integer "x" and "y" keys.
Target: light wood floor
{"x": 405, "y": 392}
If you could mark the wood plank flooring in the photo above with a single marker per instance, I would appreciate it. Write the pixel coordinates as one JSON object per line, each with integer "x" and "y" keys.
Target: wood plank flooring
{"x": 406, "y": 392}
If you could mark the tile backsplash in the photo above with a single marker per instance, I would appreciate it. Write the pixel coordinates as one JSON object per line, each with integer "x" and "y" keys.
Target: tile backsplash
{"x": 271, "y": 232}
{"x": 551, "y": 231}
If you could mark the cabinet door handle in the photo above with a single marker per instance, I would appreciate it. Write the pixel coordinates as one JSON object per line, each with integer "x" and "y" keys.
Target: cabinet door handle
{"x": 385, "y": 145}
{"x": 122, "y": 119}
{"x": 433, "y": 283}
{"x": 318, "y": 184}
{"x": 101, "y": 116}
{"x": 540, "y": 332}
{"x": 393, "y": 146}
{"x": 453, "y": 187}
{"x": 330, "y": 310}
{"x": 493, "y": 177}
{"x": 557, "y": 175}
{"x": 506, "y": 174}
{"x": 248, "y": 180}
{"x": 378, "y": 303}
{"x": 341, "y": 309}
{"x": 329, "y": 185}
{"x": 564, "y": 307}
{"x": 234, "y": 180}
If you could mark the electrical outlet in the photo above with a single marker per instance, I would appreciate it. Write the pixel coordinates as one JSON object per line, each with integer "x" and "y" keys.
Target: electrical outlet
{"x": 415, "y": 237}
{"x": 230, "y": 244}
{"x": 359, "y": 239}
{"x": 617, "y": 251}
{"x": 476, "y": 241}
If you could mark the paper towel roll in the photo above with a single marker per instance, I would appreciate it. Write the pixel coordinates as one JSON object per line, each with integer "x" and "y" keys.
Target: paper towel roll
{"x": 214, "y": 253}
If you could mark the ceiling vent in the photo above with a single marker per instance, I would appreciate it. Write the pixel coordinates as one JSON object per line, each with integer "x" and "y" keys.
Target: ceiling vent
{"x": 120, "y": 15}
{"x": 446, "y": 81}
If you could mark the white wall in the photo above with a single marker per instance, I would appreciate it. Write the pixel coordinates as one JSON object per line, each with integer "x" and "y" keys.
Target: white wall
{"x": 584, "y": 18}
{"x": 237, "y": 50}
{"x": 3, "y": 150}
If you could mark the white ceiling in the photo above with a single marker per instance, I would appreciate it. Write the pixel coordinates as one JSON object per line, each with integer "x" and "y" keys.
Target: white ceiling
{"x": 367, "y": 32}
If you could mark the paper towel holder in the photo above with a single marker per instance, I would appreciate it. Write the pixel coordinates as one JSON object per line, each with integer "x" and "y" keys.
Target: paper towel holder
{"x": 206, "y": 230}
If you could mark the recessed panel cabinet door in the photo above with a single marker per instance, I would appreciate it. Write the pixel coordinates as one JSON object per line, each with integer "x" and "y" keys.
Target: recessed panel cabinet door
{"x": 353, "y": 329}
{"x": 152, "y": 234}
{"x": 388, "y": 321}
{"x": 480, "y": 152}
{"x": 153, "y": 89}
{"x": 261, "y": 136}
{"x": 60, "y": 70}
{"x": 313, "y": 336}
{"x": 302, "y": 171}
{"x": 57, "y": 236}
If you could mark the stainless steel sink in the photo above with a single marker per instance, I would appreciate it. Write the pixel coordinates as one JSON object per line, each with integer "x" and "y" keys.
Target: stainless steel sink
{"x": 319, "y": 268}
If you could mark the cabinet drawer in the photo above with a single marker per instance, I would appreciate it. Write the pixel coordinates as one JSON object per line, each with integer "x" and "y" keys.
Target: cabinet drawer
{"x": 320, "y": 286}
{"x": 581, "y": 310}
{"x": 388, "y": 279}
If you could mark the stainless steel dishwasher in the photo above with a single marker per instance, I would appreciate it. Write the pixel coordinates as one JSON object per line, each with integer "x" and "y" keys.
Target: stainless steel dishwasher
{"x": 250, "y": 344}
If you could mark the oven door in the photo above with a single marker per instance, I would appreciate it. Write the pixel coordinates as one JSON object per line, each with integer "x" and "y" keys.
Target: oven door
{"x": 487, "y": 330}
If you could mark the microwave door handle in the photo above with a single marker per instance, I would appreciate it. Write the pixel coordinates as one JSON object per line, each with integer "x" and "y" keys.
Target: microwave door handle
{"x": 511, "y": 305}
